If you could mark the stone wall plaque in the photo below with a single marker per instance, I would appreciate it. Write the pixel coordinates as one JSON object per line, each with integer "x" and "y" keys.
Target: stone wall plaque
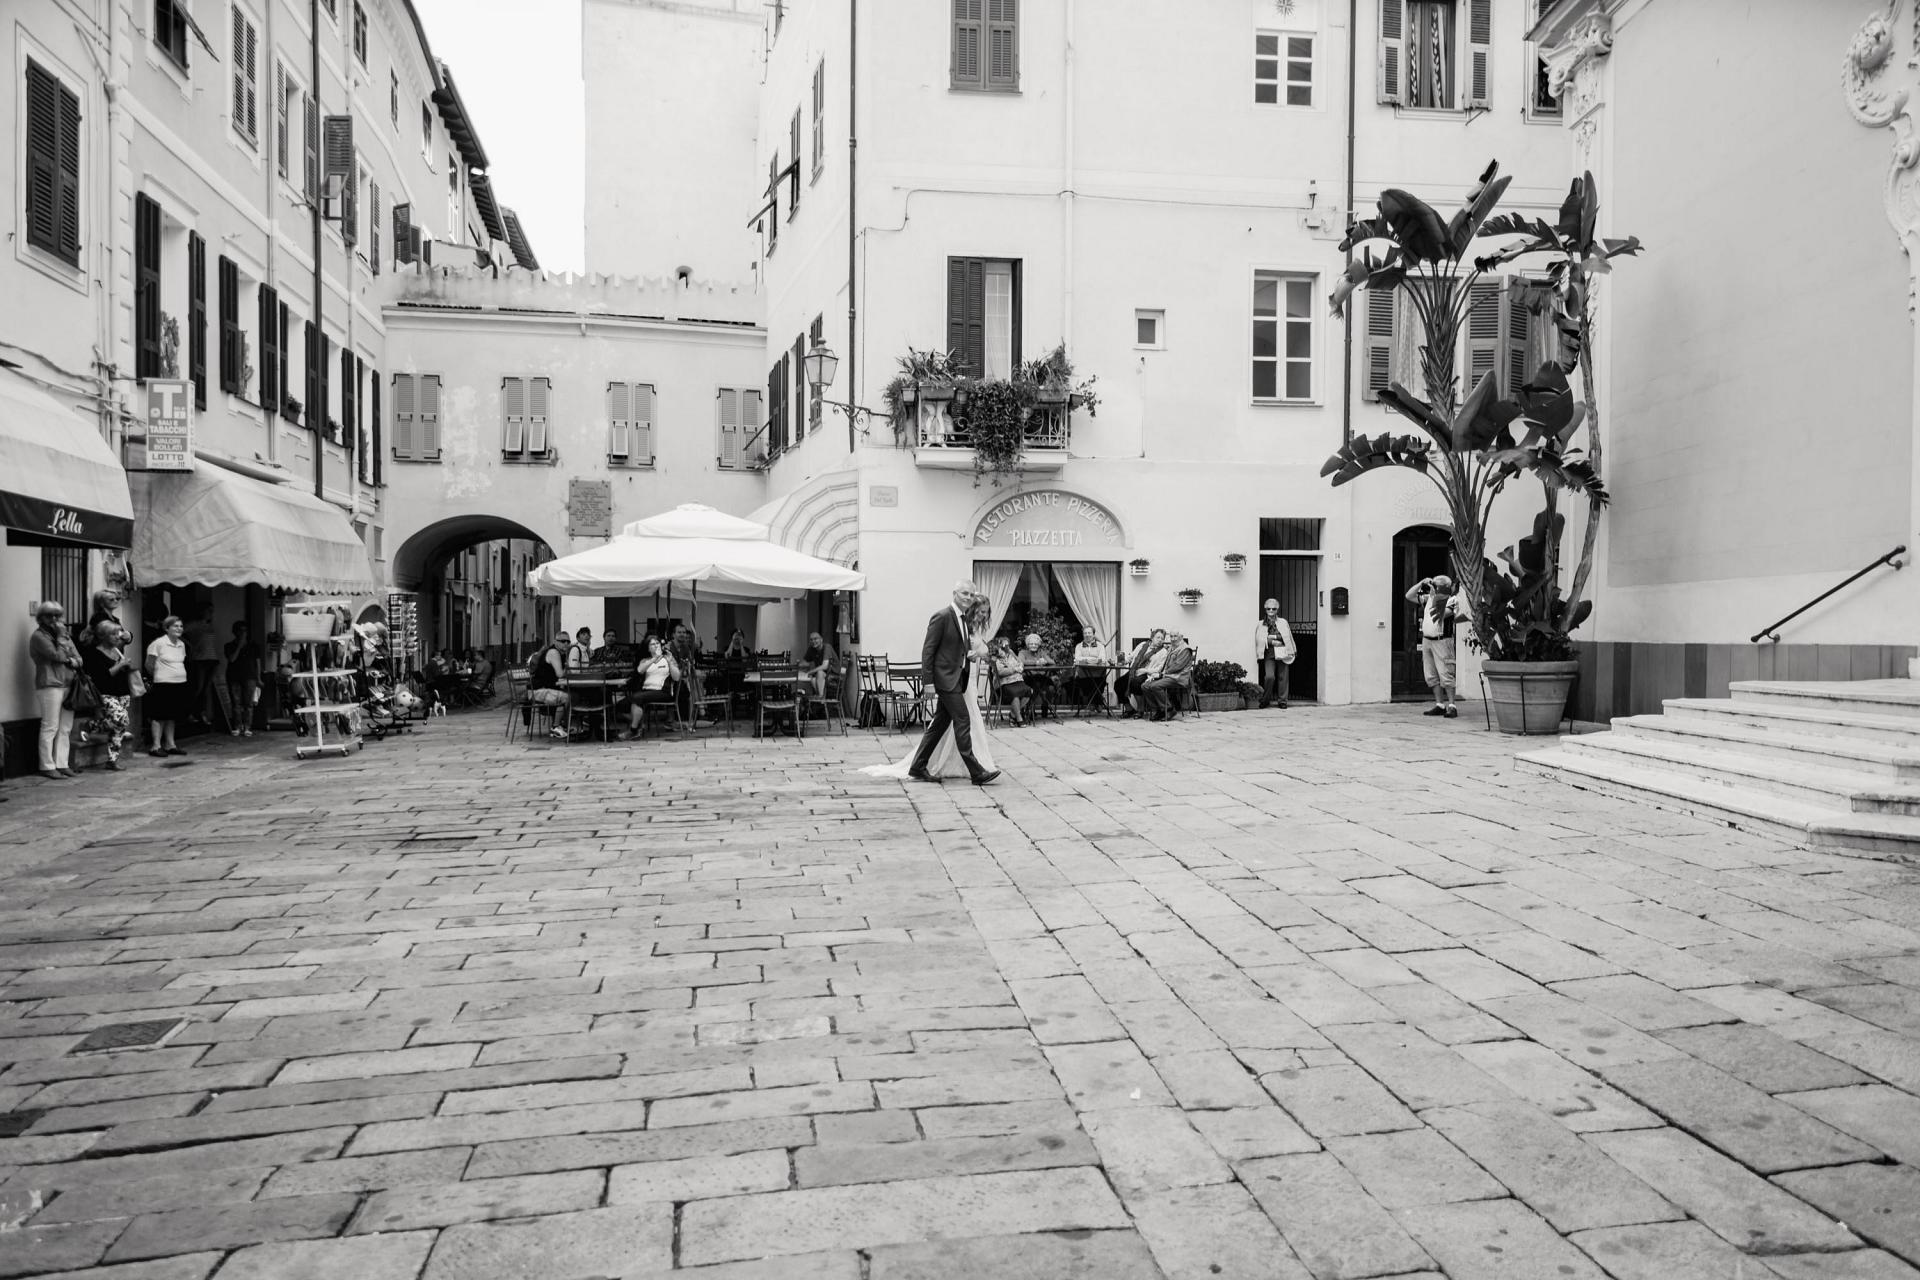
{"x": 590, "y": 508}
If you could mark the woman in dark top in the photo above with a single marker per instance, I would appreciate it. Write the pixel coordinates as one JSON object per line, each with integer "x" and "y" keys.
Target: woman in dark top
{"x": 107, "y": 664}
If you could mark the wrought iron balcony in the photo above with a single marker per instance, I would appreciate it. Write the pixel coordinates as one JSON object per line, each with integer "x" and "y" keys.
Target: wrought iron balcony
{"x": 941, "y": 444}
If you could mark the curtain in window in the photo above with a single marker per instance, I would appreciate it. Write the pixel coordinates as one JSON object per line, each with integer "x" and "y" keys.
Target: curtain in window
{"x": 1430, "y": 42}
{"x": 998, "y": 580}
{"x": 1093, "y": 590}
{"x": 998, "y": 354}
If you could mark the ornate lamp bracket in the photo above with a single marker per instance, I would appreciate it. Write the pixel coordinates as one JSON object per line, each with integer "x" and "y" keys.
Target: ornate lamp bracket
{"x": 1878, "y": 77}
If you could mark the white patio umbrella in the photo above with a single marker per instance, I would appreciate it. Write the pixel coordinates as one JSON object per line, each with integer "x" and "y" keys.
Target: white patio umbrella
{"x": 693, "y": 549}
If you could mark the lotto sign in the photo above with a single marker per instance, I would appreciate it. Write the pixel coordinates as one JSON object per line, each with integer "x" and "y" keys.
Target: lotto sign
{"x": 169, "y": 426}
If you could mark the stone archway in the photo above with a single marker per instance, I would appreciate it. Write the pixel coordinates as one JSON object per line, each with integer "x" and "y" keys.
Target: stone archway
{"x": 497, "y": 622}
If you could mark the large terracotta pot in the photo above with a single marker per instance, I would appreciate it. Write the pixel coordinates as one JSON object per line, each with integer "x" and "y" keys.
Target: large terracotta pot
{"x": 1529, "y": 697}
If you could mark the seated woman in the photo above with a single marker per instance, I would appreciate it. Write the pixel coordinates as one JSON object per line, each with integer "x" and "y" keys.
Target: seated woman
{"x": 544, "y": 676}
{"x": 1009, "y": 678}
{"x": 648, "y": 684}
{"x": 737, "y": 649}
{"x": 818, "y": 662}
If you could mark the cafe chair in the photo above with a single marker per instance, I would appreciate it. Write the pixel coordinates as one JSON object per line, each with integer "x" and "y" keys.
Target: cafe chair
{"x": 779, "y": 696}
{"x": 828, "y": 704}
{"x": 710, "y": 705}
{"x": 667, "y": 709}
{"x": 517, "y": 703}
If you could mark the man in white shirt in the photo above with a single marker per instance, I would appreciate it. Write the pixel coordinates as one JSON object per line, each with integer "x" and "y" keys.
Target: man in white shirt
{"x": 1439, "y": 612}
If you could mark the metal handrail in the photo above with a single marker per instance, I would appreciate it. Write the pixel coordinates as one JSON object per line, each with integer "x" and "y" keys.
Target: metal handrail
{"x": 1773, "y": 632}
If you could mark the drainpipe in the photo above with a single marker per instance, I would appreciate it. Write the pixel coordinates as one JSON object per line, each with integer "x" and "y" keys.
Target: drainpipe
{"x": 270, "y": 413}
{"x": 853, "y": 222}
{"x": 106, "y": 358}
{"x": 1066, "y": 215}
{"x": 319, "y": 283}
{"x": 1346, "y": 367}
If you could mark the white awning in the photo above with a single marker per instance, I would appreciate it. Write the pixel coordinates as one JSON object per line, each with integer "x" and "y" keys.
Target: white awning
{"x": 820, "y": 518}
{"x": 59, "y": 481}
{"x": 214, "y": 526}
{"x": 693, "y": 552}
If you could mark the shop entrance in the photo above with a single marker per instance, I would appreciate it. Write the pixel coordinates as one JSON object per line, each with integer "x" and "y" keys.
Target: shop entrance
{"x": 1419, "y": 551}
{"x": 1290, "y": 573}
{"x": 1058, "y": 599}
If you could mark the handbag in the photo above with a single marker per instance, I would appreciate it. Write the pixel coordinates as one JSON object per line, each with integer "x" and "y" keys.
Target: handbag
{"x": 82, "y": 697}
{"x": 136, "y": 684}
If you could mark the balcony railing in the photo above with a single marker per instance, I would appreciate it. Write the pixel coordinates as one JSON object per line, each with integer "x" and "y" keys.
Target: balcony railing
{"x": 1050, "y": 428}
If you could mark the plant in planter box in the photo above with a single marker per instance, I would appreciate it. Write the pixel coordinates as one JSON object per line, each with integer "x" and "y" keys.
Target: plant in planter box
{"x": 916, "y": 371}
{"x": 1053, "y": 380}
{"x": 1190, "y": 595}
{"x": 1216, "y": 685}
{"x": 1250, "y": 693}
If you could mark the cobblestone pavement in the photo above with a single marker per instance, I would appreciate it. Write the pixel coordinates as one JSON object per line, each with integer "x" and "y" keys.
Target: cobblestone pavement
{"x": 1330, "y": 993}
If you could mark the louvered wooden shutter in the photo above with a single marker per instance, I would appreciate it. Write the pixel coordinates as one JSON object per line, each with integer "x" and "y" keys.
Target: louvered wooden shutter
{"x": 539, "y": 394}
{"x": 146, "y": 287}
{"x": 285, "y": 348}
{"x": 619, "y": 421}
{"x": 793, "y": 176}
{"x": 776, "y": 384}
{"x": 1479, "y": 78}
{"x": 67, "y": 174}
{"x": 513, "y": 408}
{"x": 377, "y": 454}
{"x": 797, "y": 417}
{"x": 967, "y": 313}
{"x": 349, "y": 405}
{"x": 323, "y": 353}
{"x": 246, "y": 76}
{"x": 773, "y": 200}
{"x": 1382, "y": 306}
{"x": 197, "y": 317}
{"x": 43, "y": 159}
{"x": 1391, "y": 57}
{"x": 819, "y": 117}
{"x": 269, "y": 348}
{"x": 643, "y": 402}
{"x": 282, "y": 141}
{"x": 752, "y": 413}
{"x": 727, "y": 412}
{"x": 1483, "y": 335}
{"x": 315, "y": 424}
{"x": 429, "y": 416}
{"x": 968, "y": 36}
{"x": 1518, "y": 337}
{"x": 230, "y": 360}
{"x": 1003, "y": 44}
{"x": 404, "y": 402}
{"x": 373, "y": 226}
{"x": 310, "y": 111}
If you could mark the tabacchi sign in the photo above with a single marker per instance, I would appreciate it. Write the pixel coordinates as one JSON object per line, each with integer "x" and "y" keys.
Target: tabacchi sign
{"x": 169, "y": 442}
{"x": 1046, "y": 519}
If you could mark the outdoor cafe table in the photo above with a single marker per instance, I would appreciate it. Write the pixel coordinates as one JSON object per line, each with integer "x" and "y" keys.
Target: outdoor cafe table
{"x": 605, "y": 683}
{"x": 1065, "y": 674}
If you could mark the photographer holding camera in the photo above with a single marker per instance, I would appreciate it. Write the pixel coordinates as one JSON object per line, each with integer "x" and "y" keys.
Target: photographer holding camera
{"x": 1440, "y": 611}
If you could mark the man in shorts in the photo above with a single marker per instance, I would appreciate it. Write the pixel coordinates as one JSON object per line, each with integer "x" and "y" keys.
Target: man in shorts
{"x": 1439, "y": 612}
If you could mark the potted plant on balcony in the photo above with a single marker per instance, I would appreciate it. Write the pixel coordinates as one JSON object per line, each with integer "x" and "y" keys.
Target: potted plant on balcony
{"x": 1216, "y": 686}
{"x": 919, "y": 375}
{"x": 1473, "y": 447}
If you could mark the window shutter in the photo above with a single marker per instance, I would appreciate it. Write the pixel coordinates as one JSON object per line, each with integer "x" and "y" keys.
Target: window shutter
{"x": 146, "y": 287}
{"x": 1479, "y": 53}
{"x": 197, "y": 317}
{"x": 269, "y": 349}
{"x": 246, "y": 76}
{"x": 642, "y": 424}
{"x": 1382, "y": 305}
{"x": 967, "y": 38}
{"x": 373, "y": 226}
{"x": 1003, "y": 44}
{"x": 1392, "y": 54}
{"x": 349, "y": 406}
{"x": 376, "y": 455}
{"x": 797, "y": 411}
{"x": 404, "y": 399}
{"x": 751, "y": 420}
{"x": 539, "y": 391}
{"x": 1409, "y": 340}
{"x": 776, "y": 383}
{"x": 619, "y": 421}
{"x": 1483, "y": 335}
{"x": 793, "y": 178}
{"x": 967, "y": 313}
{"x": 1520, "y": 359}
{"x": 285, "y": 347}
{"x": 67, "y": 174}
{"x": 513, "y": 407}
{"x": 728, "y": 412}
{"x": 281, "y": 140}
{"x": 311, "y": 112}
{"x": 429, "y": 417}
{"x": 316, "y": 411}
{"x": 819, "y": 117}
{"x": 815, "y": 335}
{"x": 43, "y": 159}
{"x": 773, "y": 200}
{"x": 323, "y": 356}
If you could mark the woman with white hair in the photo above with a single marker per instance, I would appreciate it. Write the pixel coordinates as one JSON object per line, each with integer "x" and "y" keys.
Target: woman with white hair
{"x": 56, "y": 669}
{"x": 1273, "y": 652}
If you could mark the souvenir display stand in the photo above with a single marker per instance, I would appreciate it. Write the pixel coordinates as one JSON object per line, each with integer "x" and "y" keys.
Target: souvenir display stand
{"x": 312, "y": 629}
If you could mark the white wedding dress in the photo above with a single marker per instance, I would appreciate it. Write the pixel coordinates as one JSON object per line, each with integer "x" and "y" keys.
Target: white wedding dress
{"x": 946, "y": 761}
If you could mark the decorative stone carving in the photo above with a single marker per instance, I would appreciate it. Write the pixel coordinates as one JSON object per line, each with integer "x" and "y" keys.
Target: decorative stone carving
{"x": 1574, "y": 73}
{"x": 1591, "y": 38}
{"x": 1879, "y": 88}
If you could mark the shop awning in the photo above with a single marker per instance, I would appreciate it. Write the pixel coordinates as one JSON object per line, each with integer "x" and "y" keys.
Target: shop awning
{"x": 214, "y": 526}
{"x": 60, "y": 484}
{"x": 820, "y": 518}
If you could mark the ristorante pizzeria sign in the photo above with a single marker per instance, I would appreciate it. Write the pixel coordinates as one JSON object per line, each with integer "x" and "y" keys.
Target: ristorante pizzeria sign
{"x": 1048, "y": 519}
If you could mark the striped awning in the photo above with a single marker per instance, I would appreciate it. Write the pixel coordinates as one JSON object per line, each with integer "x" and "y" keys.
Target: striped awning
{"x": 820, "y": 518}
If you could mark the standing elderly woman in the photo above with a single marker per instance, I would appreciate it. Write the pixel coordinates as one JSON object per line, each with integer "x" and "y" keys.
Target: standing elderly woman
{"x": 168, "y": 697}
{"x": 56, "y": 667}
{"x": 110, "y": 667}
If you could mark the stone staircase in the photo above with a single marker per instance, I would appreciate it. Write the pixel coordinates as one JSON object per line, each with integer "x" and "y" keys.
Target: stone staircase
{"x": 1832, "y": 765}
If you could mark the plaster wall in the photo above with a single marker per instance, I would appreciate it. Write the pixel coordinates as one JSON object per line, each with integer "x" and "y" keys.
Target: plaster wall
{"x": 1761, "y": 401}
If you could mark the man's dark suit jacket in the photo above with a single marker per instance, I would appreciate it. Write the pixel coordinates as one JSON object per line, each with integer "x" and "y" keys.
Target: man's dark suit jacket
{"x": 943, "y": 658}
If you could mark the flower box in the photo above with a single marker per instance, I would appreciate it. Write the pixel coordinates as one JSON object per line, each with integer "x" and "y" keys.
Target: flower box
{"x": 933, "y": 392}
{"x": 1139, "y": 568}
{"x": 1233, "y": 562}
{"x": 1219, "y": 702}
{"x": 1191, "y": 596}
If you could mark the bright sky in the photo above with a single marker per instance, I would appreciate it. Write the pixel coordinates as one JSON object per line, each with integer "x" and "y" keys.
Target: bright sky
{"x": 517, "y": 63}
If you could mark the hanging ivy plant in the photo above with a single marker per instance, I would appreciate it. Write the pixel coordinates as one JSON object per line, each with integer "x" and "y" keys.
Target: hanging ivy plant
{"x": 994, "y": 423}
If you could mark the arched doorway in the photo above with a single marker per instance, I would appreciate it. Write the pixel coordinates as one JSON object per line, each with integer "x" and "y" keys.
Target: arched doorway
{"x": 466, "y": 578}
{"x": 1419, "y": 551}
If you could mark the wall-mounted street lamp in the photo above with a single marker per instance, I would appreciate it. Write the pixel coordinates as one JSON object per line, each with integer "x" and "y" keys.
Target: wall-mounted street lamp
{"x": 821, "y": 364}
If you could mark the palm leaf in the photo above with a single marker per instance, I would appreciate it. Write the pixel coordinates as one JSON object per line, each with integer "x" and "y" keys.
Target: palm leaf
{"x": 1362, "y": 455}
{"x": 1428, "y": 418}
{"x": 1421, "y": 234}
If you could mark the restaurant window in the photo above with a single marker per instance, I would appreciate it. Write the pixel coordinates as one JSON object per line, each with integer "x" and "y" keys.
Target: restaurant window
{"x": 986, "y": 45}
{"x": 1283, "y": 336}
{"x": 416, "y": 417}
{"x": 53, "y": 165}
{"x": 983, "y": 315}
{"x": 1058, "y": 599}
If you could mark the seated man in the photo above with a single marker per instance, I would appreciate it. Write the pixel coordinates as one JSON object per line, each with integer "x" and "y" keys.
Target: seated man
{"x": 481, "y": 681}
{"x": 1176, "y": 673}
{"x": 1089, "y": 667}
{"x": 1148, "y": 658}
{"x": 1034, "y": 660}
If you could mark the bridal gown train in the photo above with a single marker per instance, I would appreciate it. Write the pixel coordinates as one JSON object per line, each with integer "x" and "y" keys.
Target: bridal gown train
{"x": 946, "y": 762}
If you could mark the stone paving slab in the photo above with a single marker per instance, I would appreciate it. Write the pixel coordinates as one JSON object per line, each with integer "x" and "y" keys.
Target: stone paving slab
{"x": 1333, "y": 992}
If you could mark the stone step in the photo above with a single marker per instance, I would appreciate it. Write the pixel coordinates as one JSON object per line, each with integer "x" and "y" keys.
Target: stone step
{"x": 1778, "y": 716}
{"x": 1782, "y": 741}
{"x": 1837, "y": 790}
{"x": 1888, "y": 837}
{"x": 1870, "y": 697}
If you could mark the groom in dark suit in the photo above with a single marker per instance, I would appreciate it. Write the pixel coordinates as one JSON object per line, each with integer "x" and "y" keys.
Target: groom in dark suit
{"x": 946, "y": 664}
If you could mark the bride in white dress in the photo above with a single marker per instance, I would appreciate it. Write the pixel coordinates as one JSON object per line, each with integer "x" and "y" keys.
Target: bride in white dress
{"x": 946, "y": 762}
